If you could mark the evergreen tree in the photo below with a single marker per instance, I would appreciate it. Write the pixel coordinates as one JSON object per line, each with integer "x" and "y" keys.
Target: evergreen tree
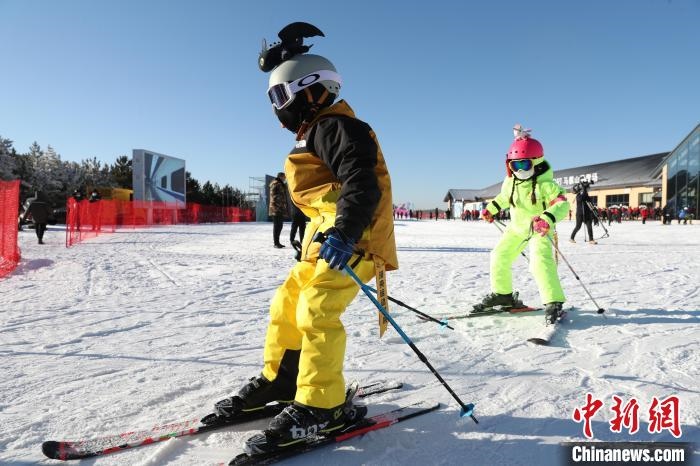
{"x": 208, "y": 193}
{"x": 73, "y": 177}
{"x": 233, "y": 197}
{"x": 23, "y": 171}
{"x": 35, "y": 150}
{"x": 46, "y": 167}
{"x": 8, "y": 162}
{"x": 44, "y": 171}
{"x": 194, "y": 191}
{"x": 218, "y": 198}
{"x": 95, "y": 174}
{"x": 123, "y": 173}
{"x": 26, "y": 170}
{"x": 238, "y": 199}
{"x": 226, "y": 192}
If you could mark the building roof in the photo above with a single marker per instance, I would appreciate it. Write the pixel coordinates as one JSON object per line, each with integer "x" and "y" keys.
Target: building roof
{"x": 466, "y": 194}
{"x": 635, "y": 171}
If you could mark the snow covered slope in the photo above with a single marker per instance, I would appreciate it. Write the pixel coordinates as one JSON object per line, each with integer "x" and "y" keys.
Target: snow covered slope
{"x": 145, "y": 326}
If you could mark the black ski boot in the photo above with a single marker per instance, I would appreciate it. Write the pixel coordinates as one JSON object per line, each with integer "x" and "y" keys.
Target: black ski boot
{"x": 297, "y": 247}
{"x": 254, "y": 396}
{"x": 297, "y": 423}
{"x": 552, "y": 312}
{"x": 498, "y": 301}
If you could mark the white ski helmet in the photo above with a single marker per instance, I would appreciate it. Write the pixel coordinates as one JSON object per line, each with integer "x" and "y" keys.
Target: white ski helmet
{"x": 298, "y": 73}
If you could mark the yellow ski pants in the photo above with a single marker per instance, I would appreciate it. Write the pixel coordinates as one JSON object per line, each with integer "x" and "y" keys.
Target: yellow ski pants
{"x": 305, "y": 315}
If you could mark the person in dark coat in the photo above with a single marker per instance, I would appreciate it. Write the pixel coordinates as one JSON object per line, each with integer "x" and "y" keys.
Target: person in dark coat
{"x": 39, "y": 211}
{"x": 298, "y": 224}
{"x": 583, "y": 215}
{"x": 666, "y": 213}
{"x": 278, "y": 206}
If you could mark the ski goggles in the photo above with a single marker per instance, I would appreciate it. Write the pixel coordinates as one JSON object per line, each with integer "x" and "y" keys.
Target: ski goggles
{"x": 283, "y": 94}
{"x": 520, "y": 165}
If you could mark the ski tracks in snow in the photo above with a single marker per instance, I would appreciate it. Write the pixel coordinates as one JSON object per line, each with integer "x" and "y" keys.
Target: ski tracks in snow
{"x": 155, "y": 325}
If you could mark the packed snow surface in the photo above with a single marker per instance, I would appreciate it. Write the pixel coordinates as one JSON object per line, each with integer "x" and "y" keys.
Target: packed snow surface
{"x": 148, "y": 326}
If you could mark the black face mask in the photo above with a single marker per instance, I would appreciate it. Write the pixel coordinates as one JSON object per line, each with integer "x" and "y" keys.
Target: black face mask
{"x": 292, "y": 116}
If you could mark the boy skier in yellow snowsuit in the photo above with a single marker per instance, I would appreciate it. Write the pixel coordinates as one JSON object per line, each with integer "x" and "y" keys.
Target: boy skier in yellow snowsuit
{"x": 337, "y": 176}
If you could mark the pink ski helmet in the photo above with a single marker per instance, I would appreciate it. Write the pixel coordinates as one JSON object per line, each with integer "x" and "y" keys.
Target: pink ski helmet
{"x": 525, "y": 148}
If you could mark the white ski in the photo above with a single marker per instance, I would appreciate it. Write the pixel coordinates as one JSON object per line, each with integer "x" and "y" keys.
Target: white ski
{"x": 547, "y": 333}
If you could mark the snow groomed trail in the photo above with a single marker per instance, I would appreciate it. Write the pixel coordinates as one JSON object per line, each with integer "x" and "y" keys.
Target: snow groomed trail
{"x": 142, "y": 327}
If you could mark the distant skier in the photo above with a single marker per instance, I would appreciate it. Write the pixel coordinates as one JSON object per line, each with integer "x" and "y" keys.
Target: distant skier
{"x": 584, "y": 214}
{"x": 95, "y": 210}
{"x": 536, "y": 203}
{"x": 39, "y": 211}
{"x": 337, "y": 176}
{"x": 666, "y": 215}
{"x": 278, "y": 207}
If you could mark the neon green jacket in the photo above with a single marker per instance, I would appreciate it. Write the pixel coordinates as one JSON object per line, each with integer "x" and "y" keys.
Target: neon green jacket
{"x": 550, "y": 199}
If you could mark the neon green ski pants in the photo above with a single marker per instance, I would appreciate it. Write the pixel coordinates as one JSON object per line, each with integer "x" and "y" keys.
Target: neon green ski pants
{"x": 542, "y": 265}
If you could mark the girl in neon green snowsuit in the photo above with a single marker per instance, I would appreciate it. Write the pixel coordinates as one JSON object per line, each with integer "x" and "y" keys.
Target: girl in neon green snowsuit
{"x": 536, "y": 203}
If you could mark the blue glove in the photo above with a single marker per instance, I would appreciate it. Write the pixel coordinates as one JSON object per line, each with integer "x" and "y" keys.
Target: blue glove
{"x": 336, "y": 248}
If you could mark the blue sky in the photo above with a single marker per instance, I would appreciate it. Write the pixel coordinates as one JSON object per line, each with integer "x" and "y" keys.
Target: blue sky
{"x": 441, "y": 82}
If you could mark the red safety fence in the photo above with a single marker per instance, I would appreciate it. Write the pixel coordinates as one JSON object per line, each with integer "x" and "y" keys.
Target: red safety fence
{"x": 87, "y": 219}
{"x": 9, "y": 211}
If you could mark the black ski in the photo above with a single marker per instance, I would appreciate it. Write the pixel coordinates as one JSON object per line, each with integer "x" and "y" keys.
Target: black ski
{"x": 363, "y": 426}
{"x": 498, "y": 310}
{"x": 100, "y": 446}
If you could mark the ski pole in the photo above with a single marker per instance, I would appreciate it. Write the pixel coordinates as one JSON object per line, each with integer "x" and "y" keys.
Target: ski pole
{"x": 466, "y": 410}
{"x": 424, "y": 315}
{"x": 600, "y": 222}
{"x": 600, "y": 309}
{"x": 498, "y": 222}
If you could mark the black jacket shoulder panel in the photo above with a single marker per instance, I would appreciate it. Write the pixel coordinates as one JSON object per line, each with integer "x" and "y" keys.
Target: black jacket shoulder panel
{"x": 346, "y": 146}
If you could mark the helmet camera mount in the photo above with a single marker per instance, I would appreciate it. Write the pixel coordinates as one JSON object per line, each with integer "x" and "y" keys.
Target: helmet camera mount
{"x": 291, "y": 44}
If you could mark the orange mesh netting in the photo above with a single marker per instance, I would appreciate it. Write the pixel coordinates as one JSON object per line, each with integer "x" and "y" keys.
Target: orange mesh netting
{"x": 9, "y": 211}
{"x": 87, "y": 219}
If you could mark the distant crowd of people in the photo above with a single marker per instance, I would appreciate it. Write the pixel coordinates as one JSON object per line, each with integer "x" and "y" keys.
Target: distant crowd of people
{"x": 614, "y": 213}
{"x": 666, "y": 214}
{"x": 436, "y": 214}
